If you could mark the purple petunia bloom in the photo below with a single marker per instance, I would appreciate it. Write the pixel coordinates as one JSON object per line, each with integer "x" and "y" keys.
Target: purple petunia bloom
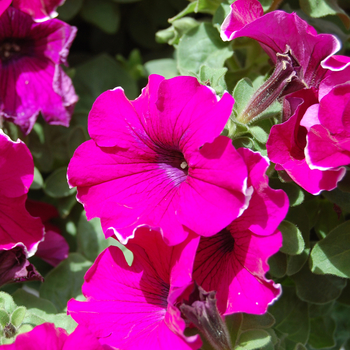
{"x": 160, "y": 162}
{"x": 234, "y": 261}
{"x": 287, "y": 142}
{"x": 32, "y": 79}
{"x": 134, "y": 307}
{"x": 279, "y": 31}
{"x": 48, "y": 337}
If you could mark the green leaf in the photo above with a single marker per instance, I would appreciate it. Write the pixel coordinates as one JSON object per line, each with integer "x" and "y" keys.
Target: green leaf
{"x": 342, "y": 199}
{"x": 69, "y": 9}
{"x": 259, "y": 133}
{"x": 7, "y": 303}
{"x": 103, "y": 14}
{"x": 257, "y": 321}
{"x": 91, "y": 239}
{"x": 17, "y": 316}
{"x": 322, "y": 331}
{"x": 4, "y": 318}
{"x": 165, "y": 67}
{"x": 76, "y": 137}
{"x": 201, "y": 46}
{"x": 292, "y": 316}
{"x": 30, "y": 301}
{"x": 221, "y": 13}
{"x": 318, "y": 289}
{"x": 293, "y": 242}
{"x": 296, "y": 262}
{"x": 278, "y": 265}
{"x": 37, "y": 181}
{"x": 345, "y": 295}
{"x": 213, "y": 77}
{"x": 327, "y": 218}
{"x": 234, "y": 323}
{"x": 253, "y": 339}
{"x": 98, "y": 75}
{"x": 64, "y": 282}
{"x": 56, "y": 185}
{"x": 322, "y": 8}
{"x": 316, "y": 310}
{"x": 331, "y": 255}
{"x": 65, "y": 205}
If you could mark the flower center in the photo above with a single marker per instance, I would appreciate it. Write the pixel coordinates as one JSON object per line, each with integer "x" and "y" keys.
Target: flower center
{"x": 174, "y": 164}
{"x": 13, "y": 49}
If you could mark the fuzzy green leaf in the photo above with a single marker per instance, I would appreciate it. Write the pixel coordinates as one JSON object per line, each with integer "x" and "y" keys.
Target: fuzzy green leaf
{"x": 56, "y": 185}
{"x": 202, "y": 46}
{"x": 293, "y": 242}
{"x": 253, "y": 339}
{"x": 331, "y": 255}
{"x": 17, "y": 316}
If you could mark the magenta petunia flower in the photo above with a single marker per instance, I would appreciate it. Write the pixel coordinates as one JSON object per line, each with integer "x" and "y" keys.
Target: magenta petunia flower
{"x": 328, "y": 138}
{"x": 54, "y": 248}
{"x": 279, "y": 31}
{"x": 159, "y": 162}
{"x": 134, "y": 307}
{"x": 47, "y": 337}
{"x": 287, "y": 142}
{"x": 32, "y": 80}
{"x": 16, "y": 176}
{"x": 234, "y": 261}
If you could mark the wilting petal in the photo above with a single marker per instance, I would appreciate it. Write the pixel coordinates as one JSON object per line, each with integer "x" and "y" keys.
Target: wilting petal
{"x": 149, "y": 157}
{"x": 127, "y": 306}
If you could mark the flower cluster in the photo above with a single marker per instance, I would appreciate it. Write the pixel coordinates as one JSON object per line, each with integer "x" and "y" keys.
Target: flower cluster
{"x": 31, "y": 54}
{"x": 193, "y": 210}
{"x": 198, "y": 215}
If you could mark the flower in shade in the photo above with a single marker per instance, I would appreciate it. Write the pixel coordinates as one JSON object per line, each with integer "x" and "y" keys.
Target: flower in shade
{"x": 16, "y": 176}
{"x": 277, "y": 31}
{"x": 134, "y": 307}
{"x": 286, "y": 145}
{"x": 54, "y": 248}
{"x": 234, "y": 261}
{"x": 47, "y": 337}
{"x": 159, "y": 162}
{"x": 14, "y": 266}
{"x": 32, "y": 79}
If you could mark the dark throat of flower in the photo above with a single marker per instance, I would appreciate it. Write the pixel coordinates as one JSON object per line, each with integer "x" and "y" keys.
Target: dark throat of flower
{"x": 201, "y": 310}
{"x": 14, "y": 48}
{"x": 285, "y": 79}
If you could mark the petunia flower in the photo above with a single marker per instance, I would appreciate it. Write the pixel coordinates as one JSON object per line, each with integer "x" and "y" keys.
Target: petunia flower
{"x": 287, "y": 141}
{"x": 134, "y": 307}
{"x": 328, "y": 137}
{"x": 158, "y": 161}
{"x": 16, "y": 176}
{"x": 47, "y": 337}
{"x": 234, "y": 261}
{"x": 31, "y": 77}
{"x": 54, "y": 248}
{"x": 277, "y": 31}
{"x": 39, "y": 10}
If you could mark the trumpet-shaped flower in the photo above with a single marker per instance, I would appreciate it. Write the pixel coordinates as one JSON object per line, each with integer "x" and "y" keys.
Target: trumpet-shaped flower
{"x": 234, "y": 261}
{"x": 276, "y": 31}
{"x": 32, "y": 80}
{"x": 134, "y": 307}
{"x": 287, "y": 142}
{"x": 159, "y": 162}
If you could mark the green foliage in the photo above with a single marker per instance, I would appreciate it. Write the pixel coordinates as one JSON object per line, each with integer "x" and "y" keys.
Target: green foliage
{"x": 64, "y": 282}
{"x": 331, "y": 255}
{"x": 322, "y": 8}
{"x": 164, "y": 66}
{"x": 201, "y": 46}
{"x": 56, "y": 185}
{"x": 293, "y": 242}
